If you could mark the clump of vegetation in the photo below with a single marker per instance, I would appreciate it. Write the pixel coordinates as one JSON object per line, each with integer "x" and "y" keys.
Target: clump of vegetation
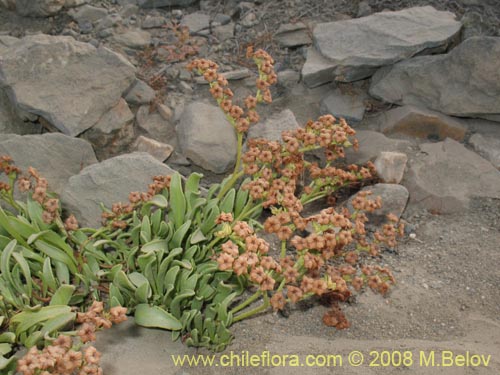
{"x": 190, "y": 261}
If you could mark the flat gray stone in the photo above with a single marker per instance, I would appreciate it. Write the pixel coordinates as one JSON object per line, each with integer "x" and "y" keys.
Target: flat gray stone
{"x": 151, "y": 22}
{"x": 293, "y": 35}
{"x": 136, "y": 39}
{"x": 109, "y": 182}
{"x": 465, "y": 82}
{"x": 371, "y": 144}
{"x": 272, "y": 128}
{"x": 88, "y": 13}
{"x": 350, "y": 106}
{"x": 421, "y": 123}
{"x": 357, "y": 48}
{"x": 68, "y": 83}
{"x": 56, "y": 156}
{"x": 317, "y": 69}
{"x": 207, "y": 138}
{"x": 391, "y": 166}
{"x": 394, "y": 200}
{"x": 446, "y": 175}
{"x": 38, "y": 8}
{"x": 488, "y": 147}
{"x": 164, "y": 3}
{"x": 196, "y": 21}
{"x": 160, "y": 151}
{"x": 140, "y": 93}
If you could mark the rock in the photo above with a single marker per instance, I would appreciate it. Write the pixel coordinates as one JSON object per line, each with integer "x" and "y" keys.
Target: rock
{"x": 272, "y": 128}
{"x": 165, "y": 112}
{"x": 8, "y": 4}
{"x": 68, "y": 83}
{"x": 136, "y": 39}
{"x": 249, "y": 19}
{"x": 6, "y": 41}
{"x": 349, "y": 105}
{"x": 464, "y": 82}
{"x": 112, "y": 130}
{"x": 364, "y": 9}
{"x": 110, "y": 21}
{"x": 371, "y": 144}
{"x": 489, "y": 148}
{"x": 222, "y": 19}
{"x": 288, "y": 78}
{"x": 356, "y": 48}
{"x": 160, "y": 151}
{"x": 155, "y": 125}
{"x": 196, "y": 21}
{"x": 130, "y": 11}
{"x": 151, "y": 22}
{"x": 317, "y": 69}
{"x": 140, "y": 93}
{"x": 447, "y": 175}
{"x": 421, "y": 123}
{"x": 293, "y": 35}
{"x": 391, "y": 166}
{"x": 56, "y": 156}
{"x": 10, "y": 121}
{"x": 224, "y": 32}
{"x": 207, "y": 138}
{"x": 88, "y": 13}
{"x": 74, "y": 3}
{"x": 38, "y": 8}
{"x": 109, "y": 182}
{"x": 394, "y": 200}
{"x": 164, "y": 3}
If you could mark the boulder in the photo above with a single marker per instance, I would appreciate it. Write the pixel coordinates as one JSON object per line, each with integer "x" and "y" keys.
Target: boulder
{"x": 160, "y": 151}
{"x": 69, "y": 83}
{"x": 88, "y": 13}
{"x": 207, "y": 138}
{"x": 140, "y": 93}
{"x": 464, "y": 82}
{"x": 164, "y": 3}
{"x": 293, "y": 35}
{"x": 371, "y": 144}
{"x": 272, "y": 128}
{"x": 488, "y": 147}
{"x": 317, "y": 69}
{"x": 446, "y": 175}
{"x": 356, "y": 48}
{"x": 136, "y": 39}
{"x": 394, "y": 200}
{"x": 56, "y": 156}
{"x": 421, "y": 123}
{"x": 391, "y": 166}
{"x": 349, "y": 105}
{"x": 196, "y": 21}
{"x": 38, "y": 8}
{"x": 109, "y": 182}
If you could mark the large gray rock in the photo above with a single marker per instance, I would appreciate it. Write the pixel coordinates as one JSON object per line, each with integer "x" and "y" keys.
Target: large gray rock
{"x": 164, "y": 3}
{"x": 140, "y": 93}
{"x": 464, "y": 82}
{"x": 293, "y": 35}
{"x": 371, "y": 144}
{"x": 38, "y": 8}
{"x": 109, "y": 182}
{"x": 421, "y": 123}
{"x": 488, "y": 147}
{"x": 446, "y": 175}
{"x": 207, "y": 138}
{"x": 56, "y": 156}
{"x": 155, "y": 125}
{"x": 68, "y": 83}
{"x": 391, "y": 166}
{"x": 356, "y": 48}
{"x": 272, "y": 128}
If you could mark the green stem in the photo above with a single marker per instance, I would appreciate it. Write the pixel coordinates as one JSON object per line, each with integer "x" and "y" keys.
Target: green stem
{"x": 236, "y": 173}
{"x": 283, "y": 249}
{"x": 247, "y": 302}
{"x": 246, "y": 213}
{"x": 257, "y": 310}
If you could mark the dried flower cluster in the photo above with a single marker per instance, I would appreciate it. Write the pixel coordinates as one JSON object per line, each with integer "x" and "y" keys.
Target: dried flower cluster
{"x": 63, "y": 356}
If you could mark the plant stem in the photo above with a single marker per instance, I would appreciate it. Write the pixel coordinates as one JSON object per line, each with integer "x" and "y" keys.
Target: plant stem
{"x": 247, "y": 302}
{"x": 257, "y": 310}
{"x": 283, "y": 249}
{"x": 236, "y": 173}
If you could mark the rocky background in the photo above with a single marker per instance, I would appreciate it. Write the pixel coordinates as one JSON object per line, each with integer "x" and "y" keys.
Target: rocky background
{"x": 94, "y": 94}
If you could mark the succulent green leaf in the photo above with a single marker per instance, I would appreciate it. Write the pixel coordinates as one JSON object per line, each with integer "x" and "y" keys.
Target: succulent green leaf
{"x": 156, "y": 317}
